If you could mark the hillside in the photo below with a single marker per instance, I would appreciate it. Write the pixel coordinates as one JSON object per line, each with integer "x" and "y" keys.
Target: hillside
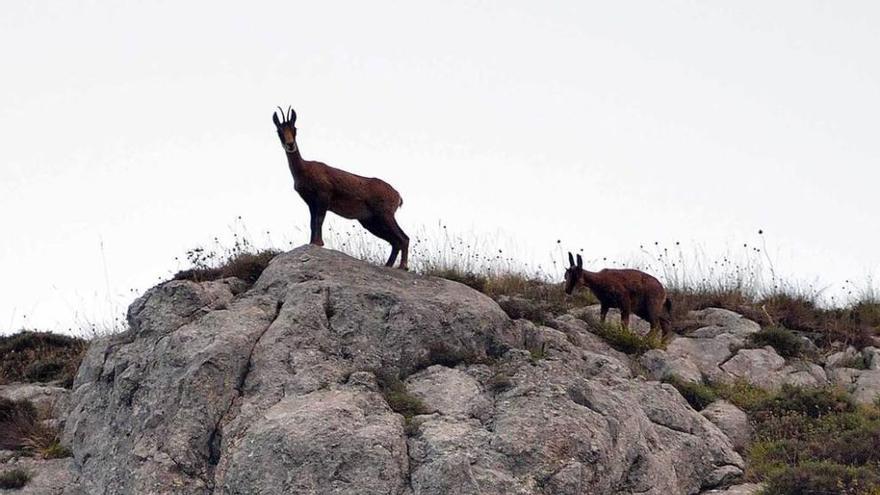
{"x": 332, "y": 375}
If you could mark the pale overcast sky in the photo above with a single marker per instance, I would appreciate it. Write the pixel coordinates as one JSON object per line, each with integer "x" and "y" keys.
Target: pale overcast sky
{"x": 146, "y": 127}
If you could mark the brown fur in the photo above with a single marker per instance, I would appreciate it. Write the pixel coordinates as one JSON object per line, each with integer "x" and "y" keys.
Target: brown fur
{"x": 630, "y": 291}
{"x": 370, "y": 201}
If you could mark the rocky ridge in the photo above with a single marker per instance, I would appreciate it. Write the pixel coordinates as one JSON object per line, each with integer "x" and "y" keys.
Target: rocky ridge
{"x": 284, "y": 388}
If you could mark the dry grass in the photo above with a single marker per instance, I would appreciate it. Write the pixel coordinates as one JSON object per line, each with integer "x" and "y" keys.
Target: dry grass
{"x": 22, "y": 429}
{"x": 742, "y": 279}
{"x": 40, "y": 357}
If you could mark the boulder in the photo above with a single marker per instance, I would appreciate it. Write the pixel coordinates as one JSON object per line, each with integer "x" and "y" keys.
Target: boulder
{"x": 842, "y": 358}
{"x": 713, "y": 322}
{"x": 766, "y": 369}
{"x": 285, "y": 388}
{"x": 871, "y": 356}
{"x": 732, "y": 421}
{"x": 658, "y": 364}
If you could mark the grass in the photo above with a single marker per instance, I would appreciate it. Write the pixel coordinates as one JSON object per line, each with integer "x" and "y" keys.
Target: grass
{"x": 22, "y": 430}
{"x": 14, "y": 479}
{"x": 743, "y": 280}
{"x": 40, "y": 357}
{"x": 626, "y": 341}
{"x": 398, "y": 398}
{"x": 698, "y": 395}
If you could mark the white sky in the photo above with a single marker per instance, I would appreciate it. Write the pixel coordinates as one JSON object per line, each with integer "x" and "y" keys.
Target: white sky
{"x": 146, "y": 126}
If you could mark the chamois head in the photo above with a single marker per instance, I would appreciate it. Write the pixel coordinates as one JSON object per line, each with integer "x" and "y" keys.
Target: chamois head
{"x": 286, "y": 129}
{"x": 573, "y": 274}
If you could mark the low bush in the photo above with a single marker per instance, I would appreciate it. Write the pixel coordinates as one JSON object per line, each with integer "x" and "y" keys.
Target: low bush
{"x": 14, "y": 479}
{"x": 814, "y": 440}
{"x": 698, "y": 395}
{"x": 246, "y": 266}
{"x": 742, "y": 394}
{"x": 786, "y": 343}
{"x": 41, "y": 357}
{"x": 823, "y": 478}
{"x": 808, "y": 401}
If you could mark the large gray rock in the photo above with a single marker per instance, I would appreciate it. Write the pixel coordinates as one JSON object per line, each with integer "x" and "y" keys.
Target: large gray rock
{"x": 871, "y": 356}
{"x": 732, "y": 421}
{"x": 275, "y": 390}
{"x": 864, "y": 385}
{"x": 716, "y": 321}
{"x": 658, "y": 364}
{"x": 707, "y": 354}
{"x": 766, "y": 369}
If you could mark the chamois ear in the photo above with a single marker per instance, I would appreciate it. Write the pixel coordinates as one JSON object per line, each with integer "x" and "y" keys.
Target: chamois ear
{"x": 580, "y": 262}
{"x": 291, "y": 115}
{"x": 570, "y": 259}
{"x": 275, "y": 119}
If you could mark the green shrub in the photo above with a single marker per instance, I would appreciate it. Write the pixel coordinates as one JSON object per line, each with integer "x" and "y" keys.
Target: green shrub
{"x": 698, "y": 395}
{"x": 398, "y": 398}
{"x": 14, "y": 479}
{"x": 742, "y": 394}
{"x": 786, "y": 343}
{"x": 810, "y": 402}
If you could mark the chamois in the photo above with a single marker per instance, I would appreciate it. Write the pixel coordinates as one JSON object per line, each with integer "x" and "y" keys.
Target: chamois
{"x": 630, "y": 291}
{"x": 370, "y": 201}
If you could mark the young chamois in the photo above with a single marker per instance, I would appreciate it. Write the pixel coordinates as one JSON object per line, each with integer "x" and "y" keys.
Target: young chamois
{"x": 370, "y": 201}
{"x": 630, "y": 291}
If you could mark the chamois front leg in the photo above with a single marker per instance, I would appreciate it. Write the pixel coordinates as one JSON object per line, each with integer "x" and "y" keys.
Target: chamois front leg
{"x": 624, "y": 317}
{"x": 316, "y": 223}
{"x": 603, "y": 313}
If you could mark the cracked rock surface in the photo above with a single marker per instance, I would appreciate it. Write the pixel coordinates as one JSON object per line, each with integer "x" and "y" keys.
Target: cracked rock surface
{"x": 274, "y": 389}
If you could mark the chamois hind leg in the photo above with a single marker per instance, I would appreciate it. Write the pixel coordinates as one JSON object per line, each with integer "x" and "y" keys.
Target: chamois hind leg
{"x": 317, "y": 213}
{"x": 402, "y": 242}
{"x": 379, "y": 229}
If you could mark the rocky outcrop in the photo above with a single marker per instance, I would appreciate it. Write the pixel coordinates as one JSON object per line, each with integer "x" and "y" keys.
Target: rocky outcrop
{"x": 282, "y": 388}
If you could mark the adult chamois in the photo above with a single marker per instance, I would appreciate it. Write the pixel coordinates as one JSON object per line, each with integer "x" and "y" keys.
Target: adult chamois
{"x": 630, "y": 291}
{"x": 370, "y": 201}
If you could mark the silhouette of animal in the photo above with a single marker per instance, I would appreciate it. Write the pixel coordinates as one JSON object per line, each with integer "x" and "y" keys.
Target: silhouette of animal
{"x": 630, "y": 291}
{"x": 370, "y": 201}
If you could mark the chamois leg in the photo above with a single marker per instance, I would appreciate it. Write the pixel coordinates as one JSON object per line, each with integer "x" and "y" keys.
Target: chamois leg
{"x": 402, "y": 243}
{"x": 379, "y": 229}
{"x": 316, "y": 224}
{"x": 624, "y": 318}
{"x": 603, "y": 313}
{"x": 665, "y": 325}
